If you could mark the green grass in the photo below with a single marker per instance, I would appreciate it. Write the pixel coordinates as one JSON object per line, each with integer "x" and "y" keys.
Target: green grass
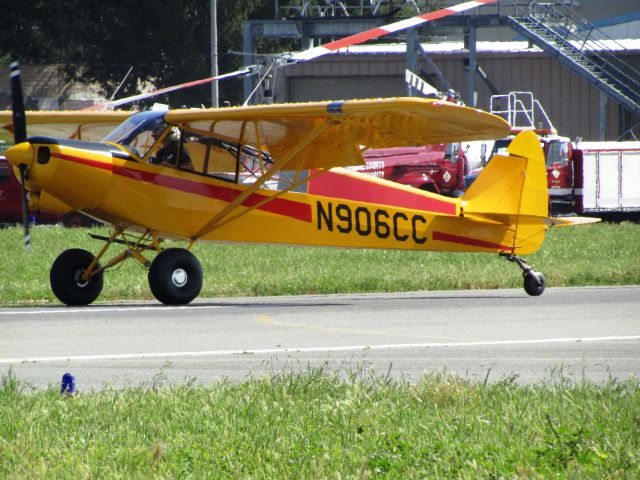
{"x": 322, "y": 424}
{"x": 601, "y": 254}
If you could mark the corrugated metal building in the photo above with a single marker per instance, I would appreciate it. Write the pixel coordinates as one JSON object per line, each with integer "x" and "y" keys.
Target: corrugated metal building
{"x": 572, "y": 104}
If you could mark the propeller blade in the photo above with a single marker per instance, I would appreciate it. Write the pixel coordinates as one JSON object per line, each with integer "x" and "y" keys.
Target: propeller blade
{"x": 17, "y": 105}
{"x": 25, "y": 208}
{"x": 19, "y": 136}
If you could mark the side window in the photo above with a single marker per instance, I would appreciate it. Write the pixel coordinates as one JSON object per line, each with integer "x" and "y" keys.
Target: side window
{"x": 221, "y": 159}
{"x": 455, "y": 152}
{"x": 211, "y": 156}
{"x": 226, "y": 160}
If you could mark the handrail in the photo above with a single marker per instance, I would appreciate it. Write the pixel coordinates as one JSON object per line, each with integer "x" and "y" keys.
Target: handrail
{"x": 521, "y": 106}
{"x": 583, "y": 43}
{"x": 567, "y": 25}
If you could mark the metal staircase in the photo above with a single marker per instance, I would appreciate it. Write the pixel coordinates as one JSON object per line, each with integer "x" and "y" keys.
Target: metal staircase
{"x": 579, "y": 45}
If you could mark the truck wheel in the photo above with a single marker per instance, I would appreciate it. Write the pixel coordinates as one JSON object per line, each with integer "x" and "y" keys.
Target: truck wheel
{"x": 175, "y": 276}
{"x": 534, "y": 283}
{"x": 65, "y": 280}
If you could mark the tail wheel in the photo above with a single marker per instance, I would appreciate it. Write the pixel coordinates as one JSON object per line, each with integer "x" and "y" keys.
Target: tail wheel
{"x": 534, "y": 283}
{"x": 175, "y": 276}
{"x": 66, "y": 278}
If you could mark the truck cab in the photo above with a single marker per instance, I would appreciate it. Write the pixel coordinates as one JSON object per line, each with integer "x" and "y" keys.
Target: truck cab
{"x": 436, "y": 168}
{"x": 559, "y": 158}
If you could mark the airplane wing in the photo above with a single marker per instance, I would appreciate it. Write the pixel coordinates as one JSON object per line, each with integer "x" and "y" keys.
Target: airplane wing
{"x": 333, "y": 134}
{"x": 80, "y": 125}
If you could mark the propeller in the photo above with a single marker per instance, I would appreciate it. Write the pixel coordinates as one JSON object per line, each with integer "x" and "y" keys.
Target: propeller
{"x": 19, "y": 136}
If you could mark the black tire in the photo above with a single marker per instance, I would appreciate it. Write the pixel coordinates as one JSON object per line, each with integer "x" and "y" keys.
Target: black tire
{"x": 534, "y": 283}
{"x": 65, "y": 278}
{"x": 175, "y": 276}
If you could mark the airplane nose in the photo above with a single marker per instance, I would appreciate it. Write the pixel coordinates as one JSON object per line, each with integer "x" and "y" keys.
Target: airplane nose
{"x": 20, "y": 154}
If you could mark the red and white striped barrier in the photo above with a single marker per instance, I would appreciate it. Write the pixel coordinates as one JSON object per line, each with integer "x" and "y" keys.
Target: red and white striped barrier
{"x": 377, "y": 32}
{"x": 318, "y": 51}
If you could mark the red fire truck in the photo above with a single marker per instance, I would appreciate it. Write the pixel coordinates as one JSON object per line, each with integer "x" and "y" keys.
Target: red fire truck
{"x": 600, "y": 178}
{"x": 439, "y": 168}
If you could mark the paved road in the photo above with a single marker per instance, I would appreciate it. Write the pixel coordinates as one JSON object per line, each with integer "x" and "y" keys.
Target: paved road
{"x": 578, "y": 333}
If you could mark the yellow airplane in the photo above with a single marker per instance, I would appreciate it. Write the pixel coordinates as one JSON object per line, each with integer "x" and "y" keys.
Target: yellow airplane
{"x": 271, "y": 174}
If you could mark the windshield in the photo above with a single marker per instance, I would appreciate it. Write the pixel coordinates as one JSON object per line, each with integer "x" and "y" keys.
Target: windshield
{"x": 451, "y": 152}
{"x": 136, "y": 132}
{"x": 557, "y": 153}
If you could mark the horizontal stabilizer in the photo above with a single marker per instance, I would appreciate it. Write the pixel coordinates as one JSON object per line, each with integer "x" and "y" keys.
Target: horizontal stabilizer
{"x": 571, "y": 221}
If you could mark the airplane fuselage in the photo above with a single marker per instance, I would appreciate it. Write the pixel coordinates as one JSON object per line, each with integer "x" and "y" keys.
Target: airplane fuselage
{"x": 340, "y": 208}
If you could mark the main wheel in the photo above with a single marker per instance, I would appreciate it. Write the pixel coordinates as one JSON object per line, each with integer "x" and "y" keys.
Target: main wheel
{"x": 175, "y": 276}
{"x": 65, "y": 278}
{"x": 534, "y": 283}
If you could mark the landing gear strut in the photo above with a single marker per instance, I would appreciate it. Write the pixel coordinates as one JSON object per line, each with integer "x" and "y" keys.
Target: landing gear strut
{"x": 534, "y": 282}
{"x": 175, "y": 274}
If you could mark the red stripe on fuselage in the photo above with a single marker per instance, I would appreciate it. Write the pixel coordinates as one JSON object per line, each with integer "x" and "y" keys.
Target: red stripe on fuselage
{"x": 346, "y": 187}
{"x": 447, "y": 237}
{"x": 280, "y": 206}
{"x": 85, "y": 161}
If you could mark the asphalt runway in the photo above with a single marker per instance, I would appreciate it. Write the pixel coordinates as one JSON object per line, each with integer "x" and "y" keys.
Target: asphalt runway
{"x": 567, "y": 333}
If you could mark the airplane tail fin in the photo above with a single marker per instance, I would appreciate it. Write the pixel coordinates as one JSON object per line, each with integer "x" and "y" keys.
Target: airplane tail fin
{"x": 512, "y": 191}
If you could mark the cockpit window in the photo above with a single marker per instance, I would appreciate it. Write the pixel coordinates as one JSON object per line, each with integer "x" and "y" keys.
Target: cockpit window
{"x": 150, "y": 138}
{"x": 136, "y": 133}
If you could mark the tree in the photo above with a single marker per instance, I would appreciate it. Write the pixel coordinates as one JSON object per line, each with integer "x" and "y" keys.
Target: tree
{"x": 166, "y": 42}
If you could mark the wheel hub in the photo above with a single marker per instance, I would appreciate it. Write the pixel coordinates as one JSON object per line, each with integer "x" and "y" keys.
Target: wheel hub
{"x": 179, "y": 277}
{"x": 77, "y": 277}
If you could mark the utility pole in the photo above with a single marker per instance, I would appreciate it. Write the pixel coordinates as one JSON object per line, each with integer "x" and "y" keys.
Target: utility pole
{"x": 214, "y": 51}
